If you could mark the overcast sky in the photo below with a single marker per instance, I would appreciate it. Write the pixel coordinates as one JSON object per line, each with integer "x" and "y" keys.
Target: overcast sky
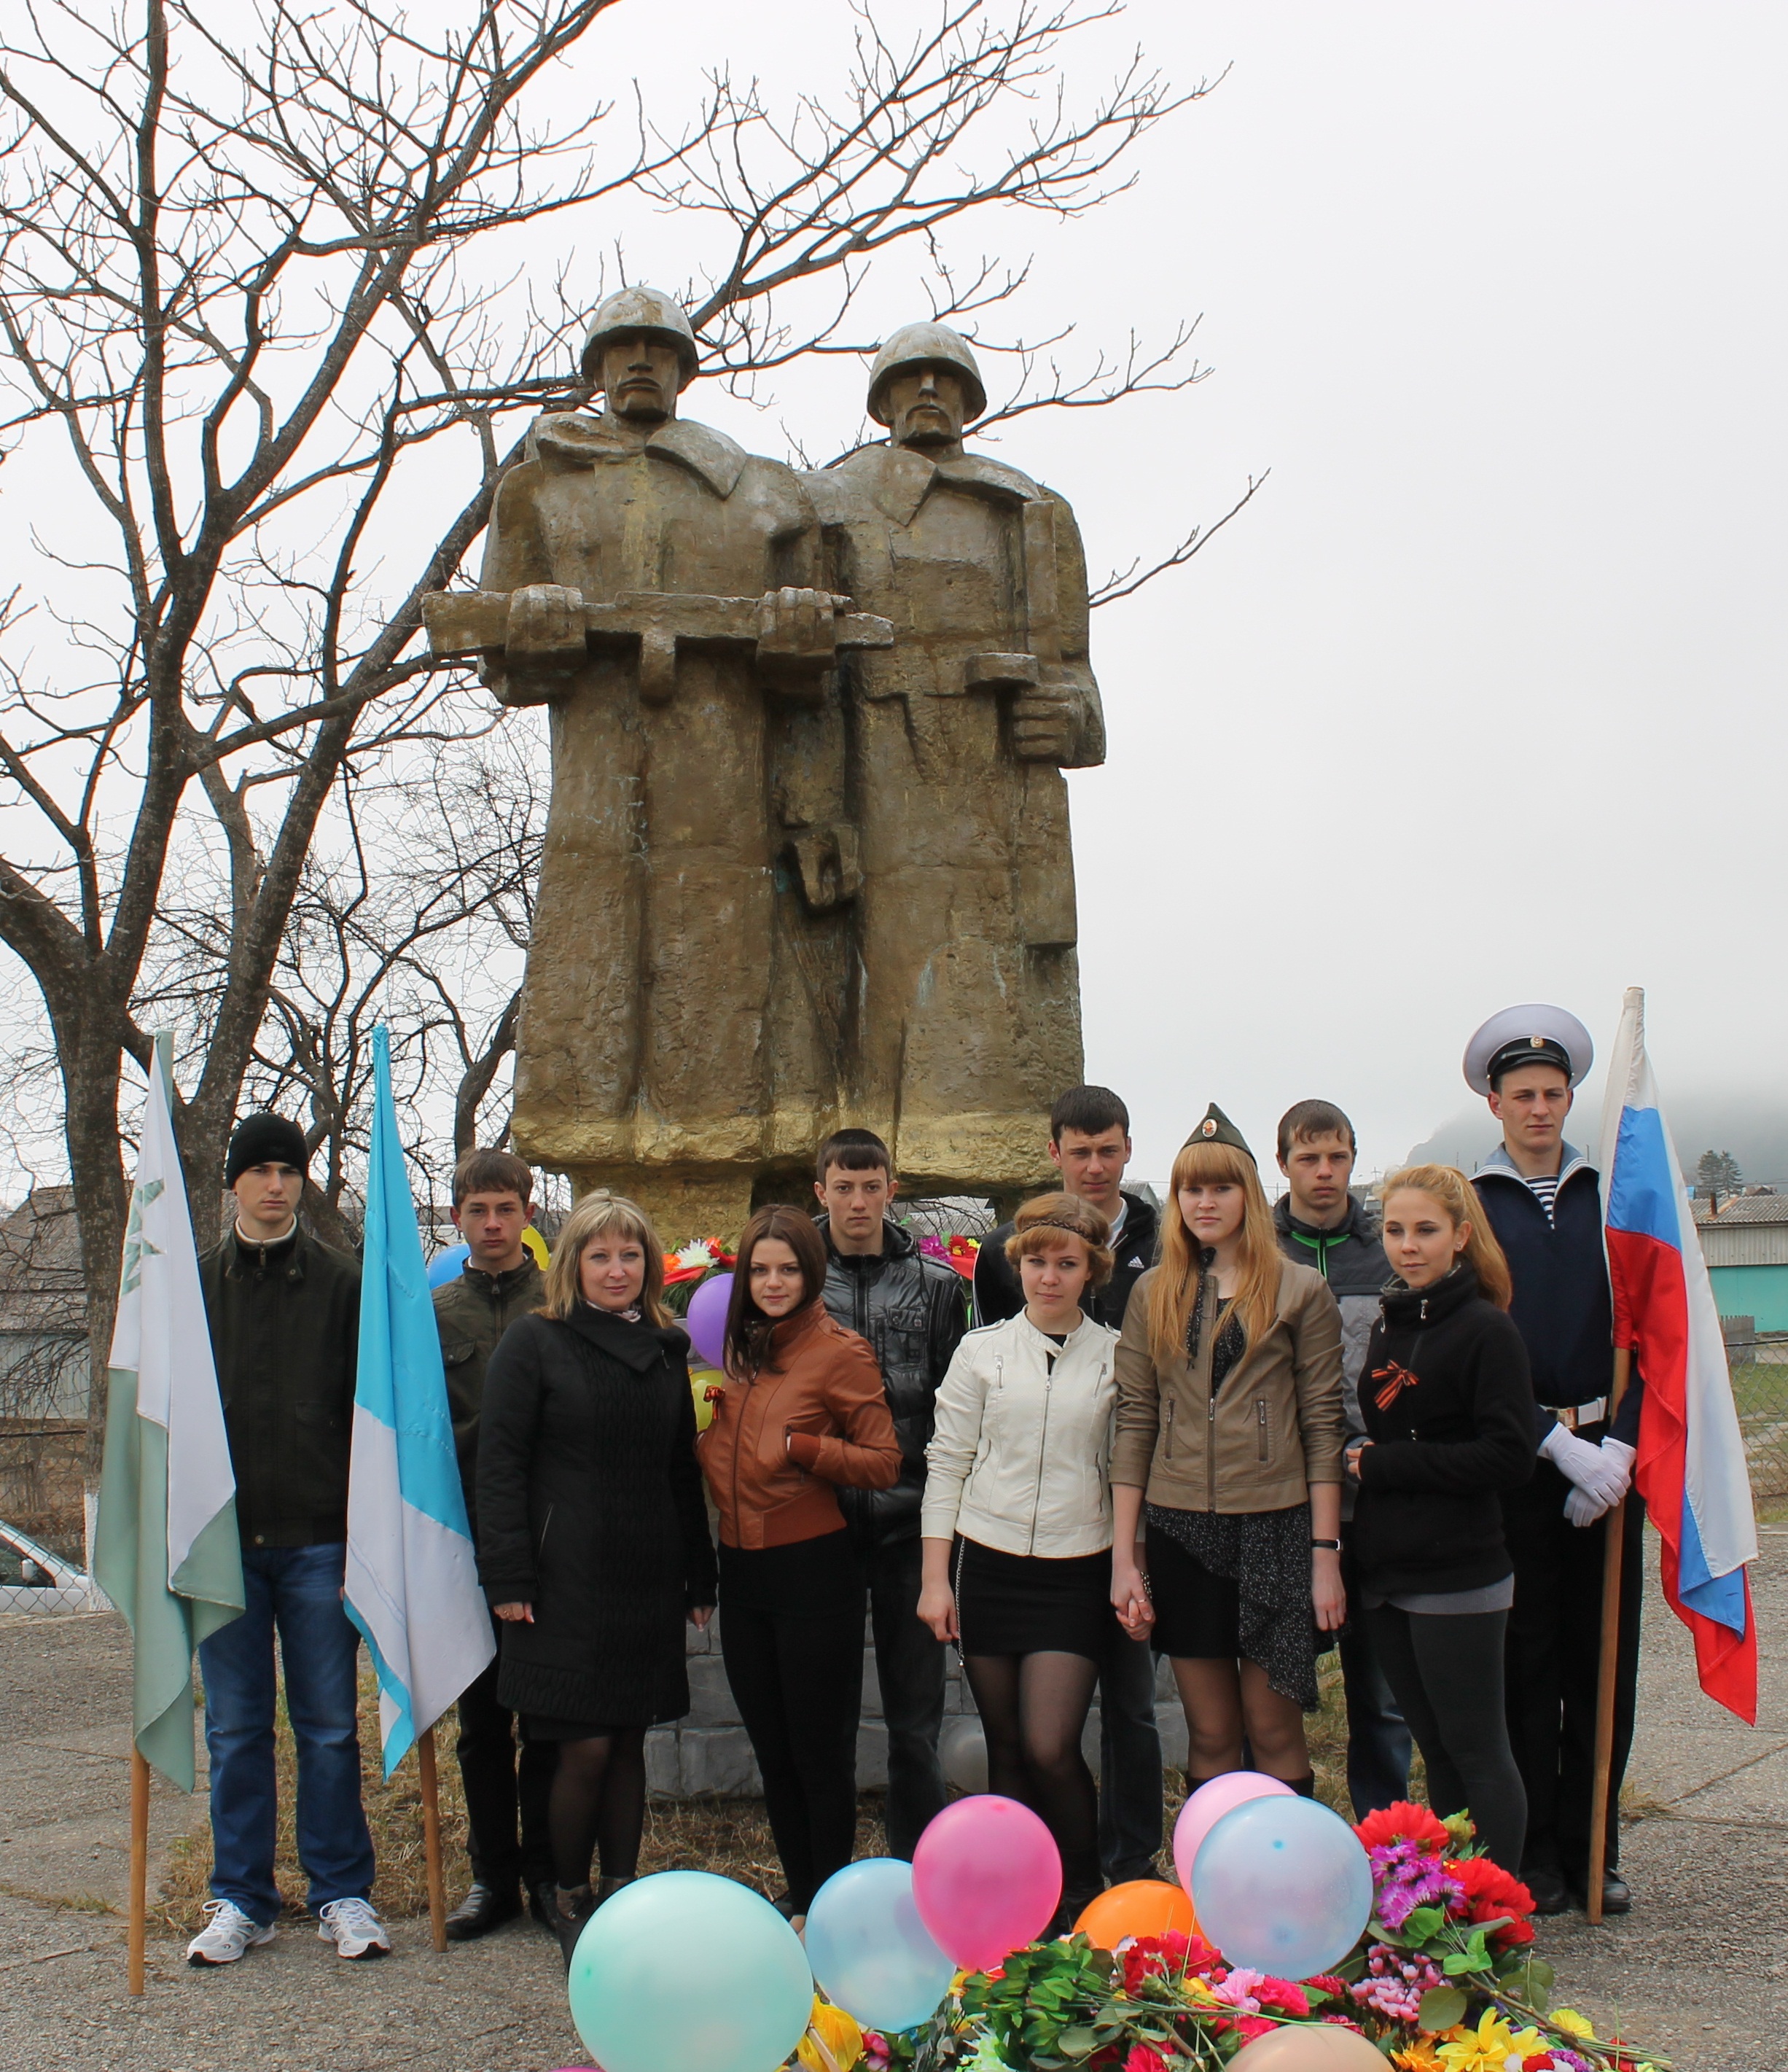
{"x": 1480, "y": 701}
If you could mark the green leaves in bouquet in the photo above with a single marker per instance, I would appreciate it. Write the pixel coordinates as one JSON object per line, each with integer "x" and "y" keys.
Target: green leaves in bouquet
{"x": 1043, "y": 1995}
{"x": 1527, "y": 1979}
{"x": 1442, "y": 2007}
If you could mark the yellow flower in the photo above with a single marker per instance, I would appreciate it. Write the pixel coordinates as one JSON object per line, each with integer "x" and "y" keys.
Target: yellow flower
{"x": 1484, "y": 2048}
{"x": 1196, "y": 1988}
{"x": 1418, "y": 2058}
{"x": 1572, "y": 2023}
{"x": 833, "y": 2042}
{"x": 1528, "y": 2042}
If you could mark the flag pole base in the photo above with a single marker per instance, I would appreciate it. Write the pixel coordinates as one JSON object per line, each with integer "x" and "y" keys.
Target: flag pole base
{"x": 431, "y": 1837}
{"x": 139, "y": 1867}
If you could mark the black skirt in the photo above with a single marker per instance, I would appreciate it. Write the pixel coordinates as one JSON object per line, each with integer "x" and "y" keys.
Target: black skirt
{"x": 1023, "y": 1604}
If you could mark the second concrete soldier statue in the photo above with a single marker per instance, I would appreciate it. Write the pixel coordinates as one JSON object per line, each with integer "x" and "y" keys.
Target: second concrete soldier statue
{"x": 1544, "y": 1199}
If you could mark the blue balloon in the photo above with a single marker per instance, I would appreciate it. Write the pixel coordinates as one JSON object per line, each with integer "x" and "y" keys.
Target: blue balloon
{"x": 686, "y": 1969}
{"x": 1283, "y": 1886}
{"x": 446, "y": 1265}
{"x": 870, "y": 1951}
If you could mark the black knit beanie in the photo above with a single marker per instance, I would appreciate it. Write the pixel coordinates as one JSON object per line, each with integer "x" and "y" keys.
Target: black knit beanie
{"x": 265, "y": 1139}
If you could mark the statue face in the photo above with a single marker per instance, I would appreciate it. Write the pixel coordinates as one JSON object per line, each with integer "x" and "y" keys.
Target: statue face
{"x": 927, "y": 407}
{"x": 640, "y": 377}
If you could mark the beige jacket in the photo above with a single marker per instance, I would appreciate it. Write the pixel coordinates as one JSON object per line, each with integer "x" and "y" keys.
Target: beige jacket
{"x": 1020, "y": 1455}
{"x": 1277, "y": 1424}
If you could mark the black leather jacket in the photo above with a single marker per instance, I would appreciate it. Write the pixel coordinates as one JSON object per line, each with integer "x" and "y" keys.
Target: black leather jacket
{"x": 913, "y": 1311}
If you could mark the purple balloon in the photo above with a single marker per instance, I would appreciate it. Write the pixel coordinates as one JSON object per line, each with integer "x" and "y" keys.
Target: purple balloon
{"x": 706, "y": 1321}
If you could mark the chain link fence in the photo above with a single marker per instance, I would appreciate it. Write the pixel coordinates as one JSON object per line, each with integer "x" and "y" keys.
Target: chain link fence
{"x": 1759, "y": 1389}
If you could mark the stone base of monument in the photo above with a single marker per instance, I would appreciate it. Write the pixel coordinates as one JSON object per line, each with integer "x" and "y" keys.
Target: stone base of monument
{"x": 707, "y": 1754}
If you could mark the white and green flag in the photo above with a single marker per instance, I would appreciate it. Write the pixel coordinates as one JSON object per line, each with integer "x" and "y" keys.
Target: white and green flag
{"x": 165, "y": 1551}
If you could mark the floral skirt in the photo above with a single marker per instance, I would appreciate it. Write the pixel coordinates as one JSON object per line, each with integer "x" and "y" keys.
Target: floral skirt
{"x": 1236, "y": 1585}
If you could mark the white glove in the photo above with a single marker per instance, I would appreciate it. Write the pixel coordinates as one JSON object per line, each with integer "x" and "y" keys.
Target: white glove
{"x": 1622, "y": 1457}
{"x": 1594, "y": 1471}
{"x": 1581, "y": 1508}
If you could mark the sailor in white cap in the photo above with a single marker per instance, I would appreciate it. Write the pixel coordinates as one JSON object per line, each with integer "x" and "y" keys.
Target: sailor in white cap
{"x": 1542, "y": 1198}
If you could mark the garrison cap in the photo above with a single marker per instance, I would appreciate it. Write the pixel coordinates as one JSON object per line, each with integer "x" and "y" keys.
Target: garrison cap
{"x": 1217, "y": 1128}
{"x": 1533, "y": 1034}
{"x": 927, "y": 345}
{"x": 629, "y": 310}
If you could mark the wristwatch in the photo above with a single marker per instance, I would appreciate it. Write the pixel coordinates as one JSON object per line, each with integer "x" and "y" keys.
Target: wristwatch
{"x": 1333, "y": 1546}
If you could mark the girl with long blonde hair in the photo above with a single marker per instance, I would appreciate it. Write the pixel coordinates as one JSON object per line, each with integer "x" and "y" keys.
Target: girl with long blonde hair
{"x": 592, "y": 1534}
{"x": 1447, "y": 1400}
{"x": 1228, "y": 1467}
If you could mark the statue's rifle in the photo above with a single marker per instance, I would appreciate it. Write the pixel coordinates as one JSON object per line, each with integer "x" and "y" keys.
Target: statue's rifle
{"x": 476, "y": 622}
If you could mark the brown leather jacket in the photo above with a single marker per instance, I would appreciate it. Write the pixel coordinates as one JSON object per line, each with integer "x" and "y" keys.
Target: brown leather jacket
{"x": 1276, "y": 1426}
{"x": 816, "y": 1415}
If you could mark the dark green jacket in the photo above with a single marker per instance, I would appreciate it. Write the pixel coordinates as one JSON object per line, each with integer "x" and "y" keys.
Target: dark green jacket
{"x": 285, "y": 1331}
{"x": 472, "y": 1312}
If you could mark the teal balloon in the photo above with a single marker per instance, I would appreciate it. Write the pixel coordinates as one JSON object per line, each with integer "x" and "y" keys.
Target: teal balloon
{"x": 686, "y": 1969}
{"x": 870, "y": 1951}
{"x": 1283, "y": 1886}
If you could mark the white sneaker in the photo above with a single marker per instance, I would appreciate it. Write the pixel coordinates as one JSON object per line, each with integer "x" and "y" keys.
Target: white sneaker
{"x": 226, "y": 1935}
{"x": 353, "y": 1927}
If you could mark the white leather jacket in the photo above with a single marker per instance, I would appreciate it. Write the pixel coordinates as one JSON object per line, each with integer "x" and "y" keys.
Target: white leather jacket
{"x": 1019, "y": 1458}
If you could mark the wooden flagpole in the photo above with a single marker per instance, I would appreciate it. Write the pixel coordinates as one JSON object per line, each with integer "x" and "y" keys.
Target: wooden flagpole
{"x": 431, "y": 1837}
{"x": 1609, "y": 1667}
{"x": 139, "y": 1864}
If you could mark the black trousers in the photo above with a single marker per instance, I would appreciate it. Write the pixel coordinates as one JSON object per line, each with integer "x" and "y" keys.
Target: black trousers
{"x": 1553, "y": 1654}
{"x": 499, "y": 1788}
{"x": 1131, "y": 1805}
{"x": 797, "y": 1678}
{"x": 1446, "y": 1670}
{"x": 1378, "y": 1742}
{"x": 910, "y": 1668}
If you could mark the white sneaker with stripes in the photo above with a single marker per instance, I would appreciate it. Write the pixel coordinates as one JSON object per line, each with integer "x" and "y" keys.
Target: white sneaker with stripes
{"x": 353, "y": 1927}
{"x": 226, "y": 1935}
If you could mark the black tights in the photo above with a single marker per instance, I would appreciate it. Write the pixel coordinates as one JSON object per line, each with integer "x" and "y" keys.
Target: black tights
{"x": 599, "y": 1801}
{"x": 1446, "y": 1673}
{"x": 1033, "y": 1708}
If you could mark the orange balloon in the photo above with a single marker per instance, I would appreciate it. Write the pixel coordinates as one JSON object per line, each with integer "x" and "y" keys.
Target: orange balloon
{"x": 1147, "y": 1906}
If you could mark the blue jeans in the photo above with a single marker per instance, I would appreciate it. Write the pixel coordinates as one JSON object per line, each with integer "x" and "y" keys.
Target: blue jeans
{"x": 297, "y": 1589}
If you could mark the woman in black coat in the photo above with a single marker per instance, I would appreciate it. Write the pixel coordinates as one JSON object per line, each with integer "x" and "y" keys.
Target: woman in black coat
{"x": 593, "y": 1537}
{"x": 1448, "y": 1406}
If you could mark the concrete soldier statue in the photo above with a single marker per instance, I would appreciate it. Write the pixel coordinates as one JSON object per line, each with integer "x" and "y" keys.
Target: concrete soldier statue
{"x": 969, "y": 1017}
{"x": 657, "y": 586}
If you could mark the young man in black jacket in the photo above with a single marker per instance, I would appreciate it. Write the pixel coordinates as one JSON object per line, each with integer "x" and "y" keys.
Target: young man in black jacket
{"x": 1542, "y": 1198}
{"x": 285, "y": 1318}
{"x": 913, "y": 1311}
{"x": 1089, "y": 1144}
{"x": 492, "y": 1201}
{"x": 1320, "y": 1224}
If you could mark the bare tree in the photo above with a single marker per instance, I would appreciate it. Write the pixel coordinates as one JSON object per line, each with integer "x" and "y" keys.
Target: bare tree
{"x": 252, "y": 267}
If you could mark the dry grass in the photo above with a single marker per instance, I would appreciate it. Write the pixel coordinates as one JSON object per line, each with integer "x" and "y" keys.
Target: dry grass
{"x": 730, "y": 1835}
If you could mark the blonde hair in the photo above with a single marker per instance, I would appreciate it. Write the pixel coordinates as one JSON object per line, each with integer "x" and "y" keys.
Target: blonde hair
{"x": 594, "y": 1216}
{"x": 1063, "y": 1215}
{"x": 1175, "y": 1292}
{"x": 1449, "y": 1189}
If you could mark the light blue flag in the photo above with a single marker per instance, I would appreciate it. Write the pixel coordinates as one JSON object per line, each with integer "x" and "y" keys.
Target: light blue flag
{"x": 412, "y": 1587}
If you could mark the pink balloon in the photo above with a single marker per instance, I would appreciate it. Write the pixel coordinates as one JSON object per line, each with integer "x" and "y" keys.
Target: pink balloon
{"x": 1208, "y": 1805}
{"x": 987, "y": 1880}
{"x": 706, "y": 1321}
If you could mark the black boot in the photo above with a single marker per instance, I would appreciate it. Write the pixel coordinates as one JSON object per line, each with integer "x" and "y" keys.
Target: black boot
{"x": 608, "y": 1887}
{"x": 1304, "y": 1786}
{"x": 571, "y": 1910}
{"x": 483, "y": 1908}
{"x": 543, "y": 1903}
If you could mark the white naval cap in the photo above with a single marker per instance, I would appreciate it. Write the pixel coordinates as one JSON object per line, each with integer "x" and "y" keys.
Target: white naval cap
{"x": 1533, "y": 1034}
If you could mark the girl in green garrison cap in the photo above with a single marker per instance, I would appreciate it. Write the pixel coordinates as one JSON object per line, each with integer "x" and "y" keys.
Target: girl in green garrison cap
{"x": 1227, "y": 1465}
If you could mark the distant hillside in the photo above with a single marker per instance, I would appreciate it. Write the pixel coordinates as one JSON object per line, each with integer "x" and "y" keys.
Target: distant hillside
{"x": 1755, "y": 1132}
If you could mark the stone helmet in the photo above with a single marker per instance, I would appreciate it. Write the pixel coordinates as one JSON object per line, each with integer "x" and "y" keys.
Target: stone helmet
{"x": 926, "y": 345}
{"x": 648, "y": 310}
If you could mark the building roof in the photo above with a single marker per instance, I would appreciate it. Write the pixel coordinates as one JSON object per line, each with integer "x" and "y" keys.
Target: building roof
{"x": 1744, "y": 1208}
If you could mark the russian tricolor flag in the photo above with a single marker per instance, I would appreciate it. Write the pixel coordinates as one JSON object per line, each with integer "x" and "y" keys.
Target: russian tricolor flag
{"x": 1691, "y": 1468}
